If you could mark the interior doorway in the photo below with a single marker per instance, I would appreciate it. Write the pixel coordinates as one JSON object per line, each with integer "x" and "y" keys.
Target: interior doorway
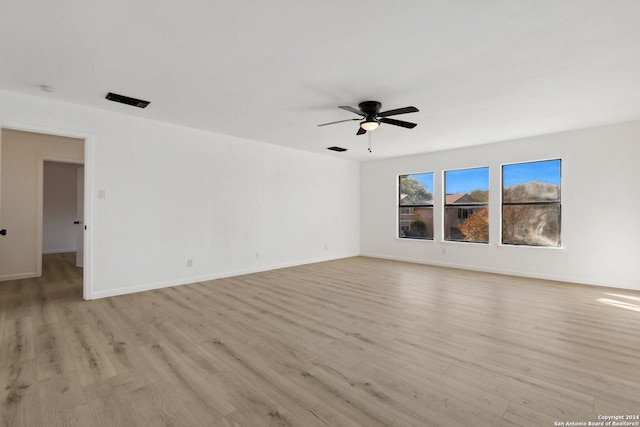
{"x": 25, "y": 155}
{"x": 63, "y": 209}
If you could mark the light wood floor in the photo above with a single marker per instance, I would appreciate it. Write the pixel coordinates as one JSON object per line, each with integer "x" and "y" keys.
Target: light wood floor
{"x": 353, "y": 342}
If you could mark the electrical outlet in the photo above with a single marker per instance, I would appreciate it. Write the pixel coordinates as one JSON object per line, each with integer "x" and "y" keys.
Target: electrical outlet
{"x": 257, "y": 255}
{"x": 326, "y": 248}
{"x": 444, "y": 251}
{"x": 189, "y": 262}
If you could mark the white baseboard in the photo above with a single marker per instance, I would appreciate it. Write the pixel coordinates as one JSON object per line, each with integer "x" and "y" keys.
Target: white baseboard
{"x": 555, "y": 278}
{"x": 205, "y": 278}
{"x": 57, "y": 251}
{"x": 6, "y": 277}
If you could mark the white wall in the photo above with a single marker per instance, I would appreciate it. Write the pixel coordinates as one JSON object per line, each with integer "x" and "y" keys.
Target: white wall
{"x": 600, "y": 208}
{"x": 59, "y": 208}
{"x": 174, "y": 193}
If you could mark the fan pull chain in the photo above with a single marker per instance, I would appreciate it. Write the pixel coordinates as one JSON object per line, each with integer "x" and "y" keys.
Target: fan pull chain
{"x": 370, "y": 143}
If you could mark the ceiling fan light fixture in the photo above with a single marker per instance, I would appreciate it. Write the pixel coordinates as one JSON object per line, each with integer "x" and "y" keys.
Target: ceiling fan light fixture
{"x": 369, "y": 124}
{"x": 371, "y": 117}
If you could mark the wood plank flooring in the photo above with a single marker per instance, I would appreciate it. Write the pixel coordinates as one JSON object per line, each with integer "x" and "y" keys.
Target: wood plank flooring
{"x": 352, "y": 342}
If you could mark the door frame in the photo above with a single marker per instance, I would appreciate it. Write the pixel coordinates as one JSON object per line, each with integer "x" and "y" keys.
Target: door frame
{"x": 40, "y": 209}
{"x": 88, "y": 138}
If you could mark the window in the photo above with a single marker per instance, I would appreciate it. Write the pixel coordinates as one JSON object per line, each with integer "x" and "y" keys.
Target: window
{"x": 463, "y": 213}
{"x": 415, "y": 206}
{"x": 466, "y": 209}
{"x": 531, "y": 203}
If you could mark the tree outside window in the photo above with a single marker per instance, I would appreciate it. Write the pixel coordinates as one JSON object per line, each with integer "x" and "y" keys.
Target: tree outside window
{"x": 466, "y": 217}
{"x": 531, "y": 203}
{"x": 415, "y": 206}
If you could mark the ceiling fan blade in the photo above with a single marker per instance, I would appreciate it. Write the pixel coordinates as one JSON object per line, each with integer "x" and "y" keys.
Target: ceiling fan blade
{"x": 339, "y": 121}
{"x": 361, "y": 131}
{"x": 353, "y": 110}
{"x": 395, "y": 122}
{"x": 404, "y": 110}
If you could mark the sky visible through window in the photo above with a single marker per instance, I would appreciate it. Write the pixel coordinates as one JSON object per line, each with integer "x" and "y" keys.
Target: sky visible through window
{"x": 425, "y": 179}
{"x": 467, "y": 180}
{"x": 547, "y": 171}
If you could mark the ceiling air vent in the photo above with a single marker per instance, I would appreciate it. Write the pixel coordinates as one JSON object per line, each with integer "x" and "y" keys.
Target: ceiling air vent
{"x": 339, "y": 149}
{"x": 127, "y": 100}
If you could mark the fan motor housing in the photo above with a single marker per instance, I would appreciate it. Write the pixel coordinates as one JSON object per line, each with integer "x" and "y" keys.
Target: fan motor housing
{"x": 370, "y": 107}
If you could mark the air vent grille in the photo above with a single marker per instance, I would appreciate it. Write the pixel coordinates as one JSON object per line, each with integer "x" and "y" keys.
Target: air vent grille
{"x": 127, "y": 100}
{"x": 339, "y": 149}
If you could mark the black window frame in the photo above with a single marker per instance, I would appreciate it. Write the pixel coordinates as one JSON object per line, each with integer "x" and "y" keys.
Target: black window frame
{"x": 401, "y": 233}
{"x": 557, "y": 203}
{"x": 469, "y": 207}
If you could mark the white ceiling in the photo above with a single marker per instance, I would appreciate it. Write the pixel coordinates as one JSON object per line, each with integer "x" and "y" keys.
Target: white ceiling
{"x": 479, "y": 70}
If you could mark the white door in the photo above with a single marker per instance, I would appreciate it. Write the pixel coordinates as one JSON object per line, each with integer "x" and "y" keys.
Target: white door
{"x": 80, "y": 217}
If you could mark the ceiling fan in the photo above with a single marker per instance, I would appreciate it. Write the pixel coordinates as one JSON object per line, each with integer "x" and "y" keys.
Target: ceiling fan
{"x": 370, "y": 112}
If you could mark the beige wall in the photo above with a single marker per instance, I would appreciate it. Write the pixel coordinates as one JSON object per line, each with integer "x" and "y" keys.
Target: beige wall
{"x": 21, "y": 173}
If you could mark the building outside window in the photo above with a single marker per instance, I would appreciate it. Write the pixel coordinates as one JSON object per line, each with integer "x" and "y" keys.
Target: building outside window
{"x": 415, "y": 206}
{"x": 466, "y": 211}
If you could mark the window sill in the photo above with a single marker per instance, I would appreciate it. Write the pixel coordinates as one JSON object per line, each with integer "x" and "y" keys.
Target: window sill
{"x": 414, "y": 239}
{"x": 556, "y": 248}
